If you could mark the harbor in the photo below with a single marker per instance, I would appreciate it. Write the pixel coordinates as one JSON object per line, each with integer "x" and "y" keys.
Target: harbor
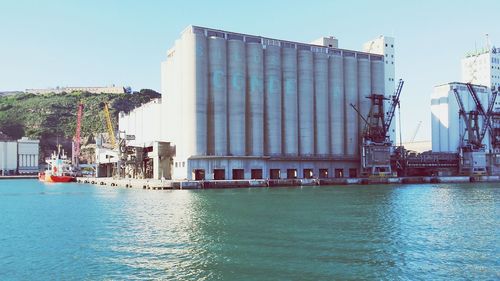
{"x": 170, "y": 184}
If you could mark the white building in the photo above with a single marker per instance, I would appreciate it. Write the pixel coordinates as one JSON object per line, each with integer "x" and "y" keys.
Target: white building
{"x": 94, "y": 90}
{"x": 482, "y": 68}
{"x": 448, "y": 128}
{"x": 28, "y": 155}
{"x": 144, "y": 122}
{"x": 384, "y": 45}
{"x": 240, "y": 106}
{"x": 8, "y": 157}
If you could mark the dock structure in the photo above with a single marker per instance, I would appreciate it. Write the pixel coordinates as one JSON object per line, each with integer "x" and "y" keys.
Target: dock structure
{"x": 212, "y": 184}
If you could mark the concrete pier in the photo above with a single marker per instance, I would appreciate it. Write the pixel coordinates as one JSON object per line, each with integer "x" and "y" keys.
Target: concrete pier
{"x": 169, "y": 184}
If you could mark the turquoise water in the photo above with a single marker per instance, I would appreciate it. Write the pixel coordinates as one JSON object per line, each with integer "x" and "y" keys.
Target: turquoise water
{"x": 415, "y": 232}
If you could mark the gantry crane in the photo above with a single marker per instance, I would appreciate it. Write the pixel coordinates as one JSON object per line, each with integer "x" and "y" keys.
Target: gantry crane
{"x": 376, "y": 144}
{"x": 472, "y": 149}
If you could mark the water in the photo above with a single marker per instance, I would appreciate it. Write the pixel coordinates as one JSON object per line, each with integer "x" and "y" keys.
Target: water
{"x": 83, "y": 232}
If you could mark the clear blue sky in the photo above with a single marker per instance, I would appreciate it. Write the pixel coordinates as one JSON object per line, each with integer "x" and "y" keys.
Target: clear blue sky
{"x": 101, "y": 42}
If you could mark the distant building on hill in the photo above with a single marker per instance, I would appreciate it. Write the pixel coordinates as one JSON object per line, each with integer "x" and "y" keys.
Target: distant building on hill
{"x": 94, "y": 90}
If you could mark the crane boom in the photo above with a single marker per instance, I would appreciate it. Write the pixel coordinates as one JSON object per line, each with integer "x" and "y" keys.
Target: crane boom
{"x": 111, "y": 132}
{"x": 395, "y": 102}
{"x": 485, "y": 114}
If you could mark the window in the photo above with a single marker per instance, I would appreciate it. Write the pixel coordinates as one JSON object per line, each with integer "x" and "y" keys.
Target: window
{"x": 274, "y": 173}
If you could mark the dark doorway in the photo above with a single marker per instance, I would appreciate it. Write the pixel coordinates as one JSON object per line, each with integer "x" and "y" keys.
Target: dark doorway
{"x": 274, "y": 173}
{"x": 238, "y": 174}
{"x": 323, "y": 173}
{"x": 256, "y": 174}
{"x": 353, "y": 173}
{"x": 291, "y": 173}
{"x": 307, "y": 173}
{"x": 219, "y": 174}
{"x": 199, "y": 175}
{"x": 339, "y": 173}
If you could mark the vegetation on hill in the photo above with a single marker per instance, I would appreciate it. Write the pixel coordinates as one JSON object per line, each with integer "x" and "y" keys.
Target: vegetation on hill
{"x": 52, "y": 117}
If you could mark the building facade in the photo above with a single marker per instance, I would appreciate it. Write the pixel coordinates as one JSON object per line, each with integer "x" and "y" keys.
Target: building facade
{"x": 8, "y": 157}
{"x": 238, "y": 106}
{"x": 94, "y": 90}
{"x": 482, "y": 68}
{"x": 28, "y": 156}
{"x": 448, "y": 128}
{"x": 139, "y": 123}
{"x": 18, "y": 157}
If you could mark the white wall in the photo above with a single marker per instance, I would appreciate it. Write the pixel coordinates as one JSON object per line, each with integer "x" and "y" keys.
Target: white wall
{"x": 8, "y": 156}
{"x": 447, "y": 127}
{"x": 28, "y": 155}
{"x": 143, "y": 122}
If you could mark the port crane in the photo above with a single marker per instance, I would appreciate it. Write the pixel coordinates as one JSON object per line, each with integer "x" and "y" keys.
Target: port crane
{"x": 472, "y": 150}
{"x": 376, "y": 144}
{"x": 109, "y": 125}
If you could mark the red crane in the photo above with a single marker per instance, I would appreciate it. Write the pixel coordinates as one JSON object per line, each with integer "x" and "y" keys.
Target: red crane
{"x": 76, "y": 138}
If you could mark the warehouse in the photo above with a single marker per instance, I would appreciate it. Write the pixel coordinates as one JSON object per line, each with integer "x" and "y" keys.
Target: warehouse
{"x": 238, "y": 106}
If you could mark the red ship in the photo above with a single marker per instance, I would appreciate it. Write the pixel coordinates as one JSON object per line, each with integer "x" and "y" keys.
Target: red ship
{"x": 59, "y": 168}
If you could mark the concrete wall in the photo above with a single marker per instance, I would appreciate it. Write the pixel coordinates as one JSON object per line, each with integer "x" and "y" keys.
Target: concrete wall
{"x": 143, "y": 122}
{"x": 448, "y": 128}
{"x": 226, "y": 94}
{"x": 8, "y": 157}
{"x": 28, "y": 155}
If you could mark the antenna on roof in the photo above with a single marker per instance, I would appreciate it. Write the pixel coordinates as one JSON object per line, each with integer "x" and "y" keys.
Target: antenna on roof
{"x": 488, "y": 44}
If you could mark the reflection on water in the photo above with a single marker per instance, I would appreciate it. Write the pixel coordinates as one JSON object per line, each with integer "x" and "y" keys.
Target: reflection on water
{"x": 311, "y": 233}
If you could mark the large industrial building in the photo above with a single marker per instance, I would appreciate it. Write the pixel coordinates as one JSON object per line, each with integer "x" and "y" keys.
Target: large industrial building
{"x": 461, "y": 112}
{"x": 447, "y": 126}
{"x": 18, "y": 157}
{"x": 238, "y": 106}
{"x": 482, "y": 67}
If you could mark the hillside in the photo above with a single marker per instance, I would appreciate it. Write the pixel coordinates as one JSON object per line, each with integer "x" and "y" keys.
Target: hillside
{"x": 52, "y": 117}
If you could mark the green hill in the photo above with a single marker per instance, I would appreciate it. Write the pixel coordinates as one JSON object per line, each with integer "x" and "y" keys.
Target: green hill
{"x": 52, "y": 117}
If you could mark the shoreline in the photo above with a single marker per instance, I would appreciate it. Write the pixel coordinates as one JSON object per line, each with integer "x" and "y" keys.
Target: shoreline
{"x": 18, "y": 177}
{"x": 220, "y": 184}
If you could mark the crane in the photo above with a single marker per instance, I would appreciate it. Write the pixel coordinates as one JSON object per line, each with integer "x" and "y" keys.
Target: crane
{"x": 76, "y": 139}
{"x": 109, "y": 125}
{"x": 473, "y": 152}
{"x": 376, "y": 145}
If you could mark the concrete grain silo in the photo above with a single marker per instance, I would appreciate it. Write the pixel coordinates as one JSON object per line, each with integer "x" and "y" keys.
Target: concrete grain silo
{"x": 255, "y": 97}
{"x": 290, "y": 113}
{"x": 364, "y": 90}
{"x": 236, "y": 97}
{"x": 217, "y": 72}
{"x": 272, "y": 100}
{"x": 321, "y": 105}
{"x": 351, "y": 97}
{"x": 337, "y": 104}
{"x": 306, "y": 102}
{"x": 238, "y": 106}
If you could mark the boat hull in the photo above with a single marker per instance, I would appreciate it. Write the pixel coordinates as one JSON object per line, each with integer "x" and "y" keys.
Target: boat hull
{"x": 51, "y": 178}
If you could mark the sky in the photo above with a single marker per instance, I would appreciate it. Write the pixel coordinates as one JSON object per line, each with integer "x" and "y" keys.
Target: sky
{"x": 103, "y": 42}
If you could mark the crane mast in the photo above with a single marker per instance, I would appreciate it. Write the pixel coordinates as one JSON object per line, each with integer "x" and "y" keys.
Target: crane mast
{"x": 109, "y": 125}
{"x": 472, "y": 150}
{"x": 376, "y": 144}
